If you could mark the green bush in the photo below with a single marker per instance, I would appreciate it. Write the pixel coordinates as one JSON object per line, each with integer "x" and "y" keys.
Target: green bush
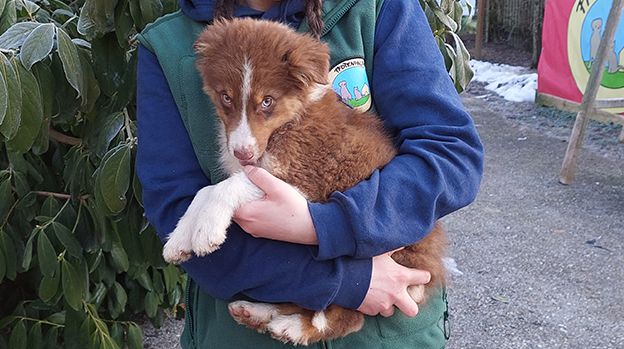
{"x": 78, "y": 260}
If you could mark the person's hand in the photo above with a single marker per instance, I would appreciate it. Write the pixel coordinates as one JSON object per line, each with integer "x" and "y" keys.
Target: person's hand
{"x": 388, "y": 288}
{"x": 282, "y": 214}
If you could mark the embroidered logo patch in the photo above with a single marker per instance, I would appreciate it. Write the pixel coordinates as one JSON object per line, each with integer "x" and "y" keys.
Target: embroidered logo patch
{"x": 350, "y": 82}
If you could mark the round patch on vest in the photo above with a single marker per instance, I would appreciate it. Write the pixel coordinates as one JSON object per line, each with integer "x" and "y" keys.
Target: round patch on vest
{"x": 350, "y": 82}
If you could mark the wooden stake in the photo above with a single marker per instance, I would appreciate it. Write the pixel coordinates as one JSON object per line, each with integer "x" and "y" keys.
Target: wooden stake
{"x": 598, "y": 66}
{"x": 480, "y": 21}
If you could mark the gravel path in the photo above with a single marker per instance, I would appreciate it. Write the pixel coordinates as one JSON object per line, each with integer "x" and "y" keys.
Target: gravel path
{"x": 542, "y": 263}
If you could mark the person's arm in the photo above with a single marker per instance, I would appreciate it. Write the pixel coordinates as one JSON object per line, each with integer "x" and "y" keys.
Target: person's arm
{"x": 440, "y": 160}
{"x": 262, "y": 269}
{"x": 437, "y": 170}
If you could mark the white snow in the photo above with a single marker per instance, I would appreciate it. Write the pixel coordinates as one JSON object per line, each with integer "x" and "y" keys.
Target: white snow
{"x": 516, "y": 84}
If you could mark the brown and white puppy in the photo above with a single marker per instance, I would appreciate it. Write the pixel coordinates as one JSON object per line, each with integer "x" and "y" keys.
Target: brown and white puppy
{"x": 277, "y": 111}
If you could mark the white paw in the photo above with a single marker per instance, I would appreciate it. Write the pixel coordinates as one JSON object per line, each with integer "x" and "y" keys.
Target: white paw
{"x": 252, "y": 315}
{"x": 417, "y": 293}
{"x": 288, "y": 329}
{"x": 178, "y": 247}
{"x": 211, "y": 229}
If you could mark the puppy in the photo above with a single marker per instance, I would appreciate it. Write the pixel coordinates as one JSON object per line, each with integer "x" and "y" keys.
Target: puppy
{"x": 277, "y": 111}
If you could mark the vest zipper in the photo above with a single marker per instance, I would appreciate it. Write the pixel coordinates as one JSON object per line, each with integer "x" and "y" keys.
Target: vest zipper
{"x": 189, "y": 308}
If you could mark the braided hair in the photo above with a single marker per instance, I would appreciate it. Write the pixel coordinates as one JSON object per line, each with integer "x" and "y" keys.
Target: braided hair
{"x": 225, "y": 9}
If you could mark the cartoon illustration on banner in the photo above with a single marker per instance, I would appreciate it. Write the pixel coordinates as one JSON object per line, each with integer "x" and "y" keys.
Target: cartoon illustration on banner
{"x": 585, "y": 28}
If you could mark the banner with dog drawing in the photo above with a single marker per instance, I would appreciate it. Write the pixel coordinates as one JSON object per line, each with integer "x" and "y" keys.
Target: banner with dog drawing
{"x": 571, "y": 34}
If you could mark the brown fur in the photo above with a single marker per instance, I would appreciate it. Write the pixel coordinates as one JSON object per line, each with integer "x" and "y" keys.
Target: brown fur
{"x": 317, "y": 145}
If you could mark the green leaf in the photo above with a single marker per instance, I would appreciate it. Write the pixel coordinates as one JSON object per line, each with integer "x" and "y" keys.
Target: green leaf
{"x": 28, "y": 250}
{"x": 119, "y": 259}
{"x": 6, "y": 199}
{"x": 105, "y": 128}
{"x": 117, "y": 333}
{"x": 4, "y": 96}
{"x": 47, "y": 85}
{"x": 123, "y": 23}
{"x": 49, "y": 286}
{"x": 150, "y": 10}
{"x": 10, "y": 256}
{"x": 8, "y": 19}
{"x": 463, "y": 72}
{"x": 151, "y": 304}
{"x": 109, "y": 63}
{"x": 135, "y": 336}
{"x": 114, "y": 179}
{"x": 18, "y": 338}
{"x": 171, "y": 275}
{"x": 46, "y": 255}
{"x": 32, "y": 111}
{"x": 68, "y": 240}
{"x": 2, "y": 5}
{"x": 11, "y": 121}
{"x": 14, "y": 37}
{"x": 71, "y": 61}
{"x": 2, "y": 265}
{"x": 35, "y": 336}
{"x": 119, "y": 300}
{"x": 37, "y": 45}
{"x": 51, "y": 339}
{"x": 73, "y": 289}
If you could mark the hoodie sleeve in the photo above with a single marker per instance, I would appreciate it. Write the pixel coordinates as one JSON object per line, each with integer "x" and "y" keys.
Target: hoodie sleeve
{"x": 440, "y": 160}
{"x": 264, "y": 270}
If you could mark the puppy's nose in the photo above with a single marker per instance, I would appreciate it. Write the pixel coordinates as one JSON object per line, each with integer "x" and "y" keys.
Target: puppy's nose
{"x": 243, "y": 153}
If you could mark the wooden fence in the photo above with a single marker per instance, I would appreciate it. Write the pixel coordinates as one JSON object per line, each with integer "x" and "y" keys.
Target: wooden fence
{"x": 517, "y": 22}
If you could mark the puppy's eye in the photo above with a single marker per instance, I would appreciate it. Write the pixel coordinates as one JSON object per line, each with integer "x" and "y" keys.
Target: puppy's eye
{"x": 226, "y": 99}
{"x": 267, "y": 102}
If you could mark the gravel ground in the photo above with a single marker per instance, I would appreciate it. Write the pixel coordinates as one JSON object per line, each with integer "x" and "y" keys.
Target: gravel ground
{"x": 542, "y": 263}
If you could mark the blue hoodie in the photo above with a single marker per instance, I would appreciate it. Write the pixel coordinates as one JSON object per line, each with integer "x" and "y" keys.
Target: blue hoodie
{"x": 437, "y": 171}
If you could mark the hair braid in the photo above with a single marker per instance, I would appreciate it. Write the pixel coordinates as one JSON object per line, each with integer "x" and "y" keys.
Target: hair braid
{"x": 224, "y": 9}
{"x": 314, "y": 15}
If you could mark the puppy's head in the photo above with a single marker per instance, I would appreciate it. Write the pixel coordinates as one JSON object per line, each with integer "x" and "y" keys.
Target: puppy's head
{"x": 260, "y": 75}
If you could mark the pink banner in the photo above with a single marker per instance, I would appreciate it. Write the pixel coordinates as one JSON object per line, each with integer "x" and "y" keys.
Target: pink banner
{"x": 571, "y": 34}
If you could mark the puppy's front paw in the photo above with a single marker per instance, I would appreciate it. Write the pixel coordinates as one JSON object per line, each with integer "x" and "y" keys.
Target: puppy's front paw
{"x": 211, "y": 229}
{"x": 178, "y": 247}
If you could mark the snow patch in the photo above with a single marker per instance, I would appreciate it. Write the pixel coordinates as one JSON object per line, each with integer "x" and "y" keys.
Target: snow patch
{"x": 516, "y": 84}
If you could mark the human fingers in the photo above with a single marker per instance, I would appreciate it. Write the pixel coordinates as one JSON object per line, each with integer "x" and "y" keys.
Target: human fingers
{"x": 388, "y": 312}
{"x": 263, "y": 179}
{"x": 417, "y": 276}
{"x": 406, "y": 304}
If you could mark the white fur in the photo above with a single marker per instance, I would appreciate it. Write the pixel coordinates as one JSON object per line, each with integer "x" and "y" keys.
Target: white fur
{"x": 242, "y": 137}
{"x": 319, "y": 321}
{"x": 417, "y": 293}
{"x": 203, "y": 227}
{"x": 288, "y": 328}
{"x": 258, "y": 312}
{"x": 229, "y": 163}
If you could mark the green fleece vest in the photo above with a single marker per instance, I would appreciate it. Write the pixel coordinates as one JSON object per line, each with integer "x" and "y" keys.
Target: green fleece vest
{"x": 349, "y": 31}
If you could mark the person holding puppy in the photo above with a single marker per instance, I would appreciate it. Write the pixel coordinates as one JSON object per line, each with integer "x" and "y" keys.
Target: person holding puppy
{"x": 284, "y": 248}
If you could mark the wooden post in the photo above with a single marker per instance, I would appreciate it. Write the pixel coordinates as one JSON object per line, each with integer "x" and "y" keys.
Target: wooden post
{"x": 479, "y": 35}
{"x": 598, "y": 66}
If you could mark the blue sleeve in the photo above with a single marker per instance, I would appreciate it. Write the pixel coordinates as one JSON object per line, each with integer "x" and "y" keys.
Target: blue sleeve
{"x": 439, "y": 165}
{"x": 262, "y": 269}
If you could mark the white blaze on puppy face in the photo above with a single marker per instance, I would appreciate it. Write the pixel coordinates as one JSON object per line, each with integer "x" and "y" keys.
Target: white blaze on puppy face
{"x": 242, "y": 137}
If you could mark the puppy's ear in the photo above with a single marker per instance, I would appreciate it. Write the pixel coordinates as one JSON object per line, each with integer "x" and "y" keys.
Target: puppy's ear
{"x": 212, "y": 36}
{"x": 308, "y": 61}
